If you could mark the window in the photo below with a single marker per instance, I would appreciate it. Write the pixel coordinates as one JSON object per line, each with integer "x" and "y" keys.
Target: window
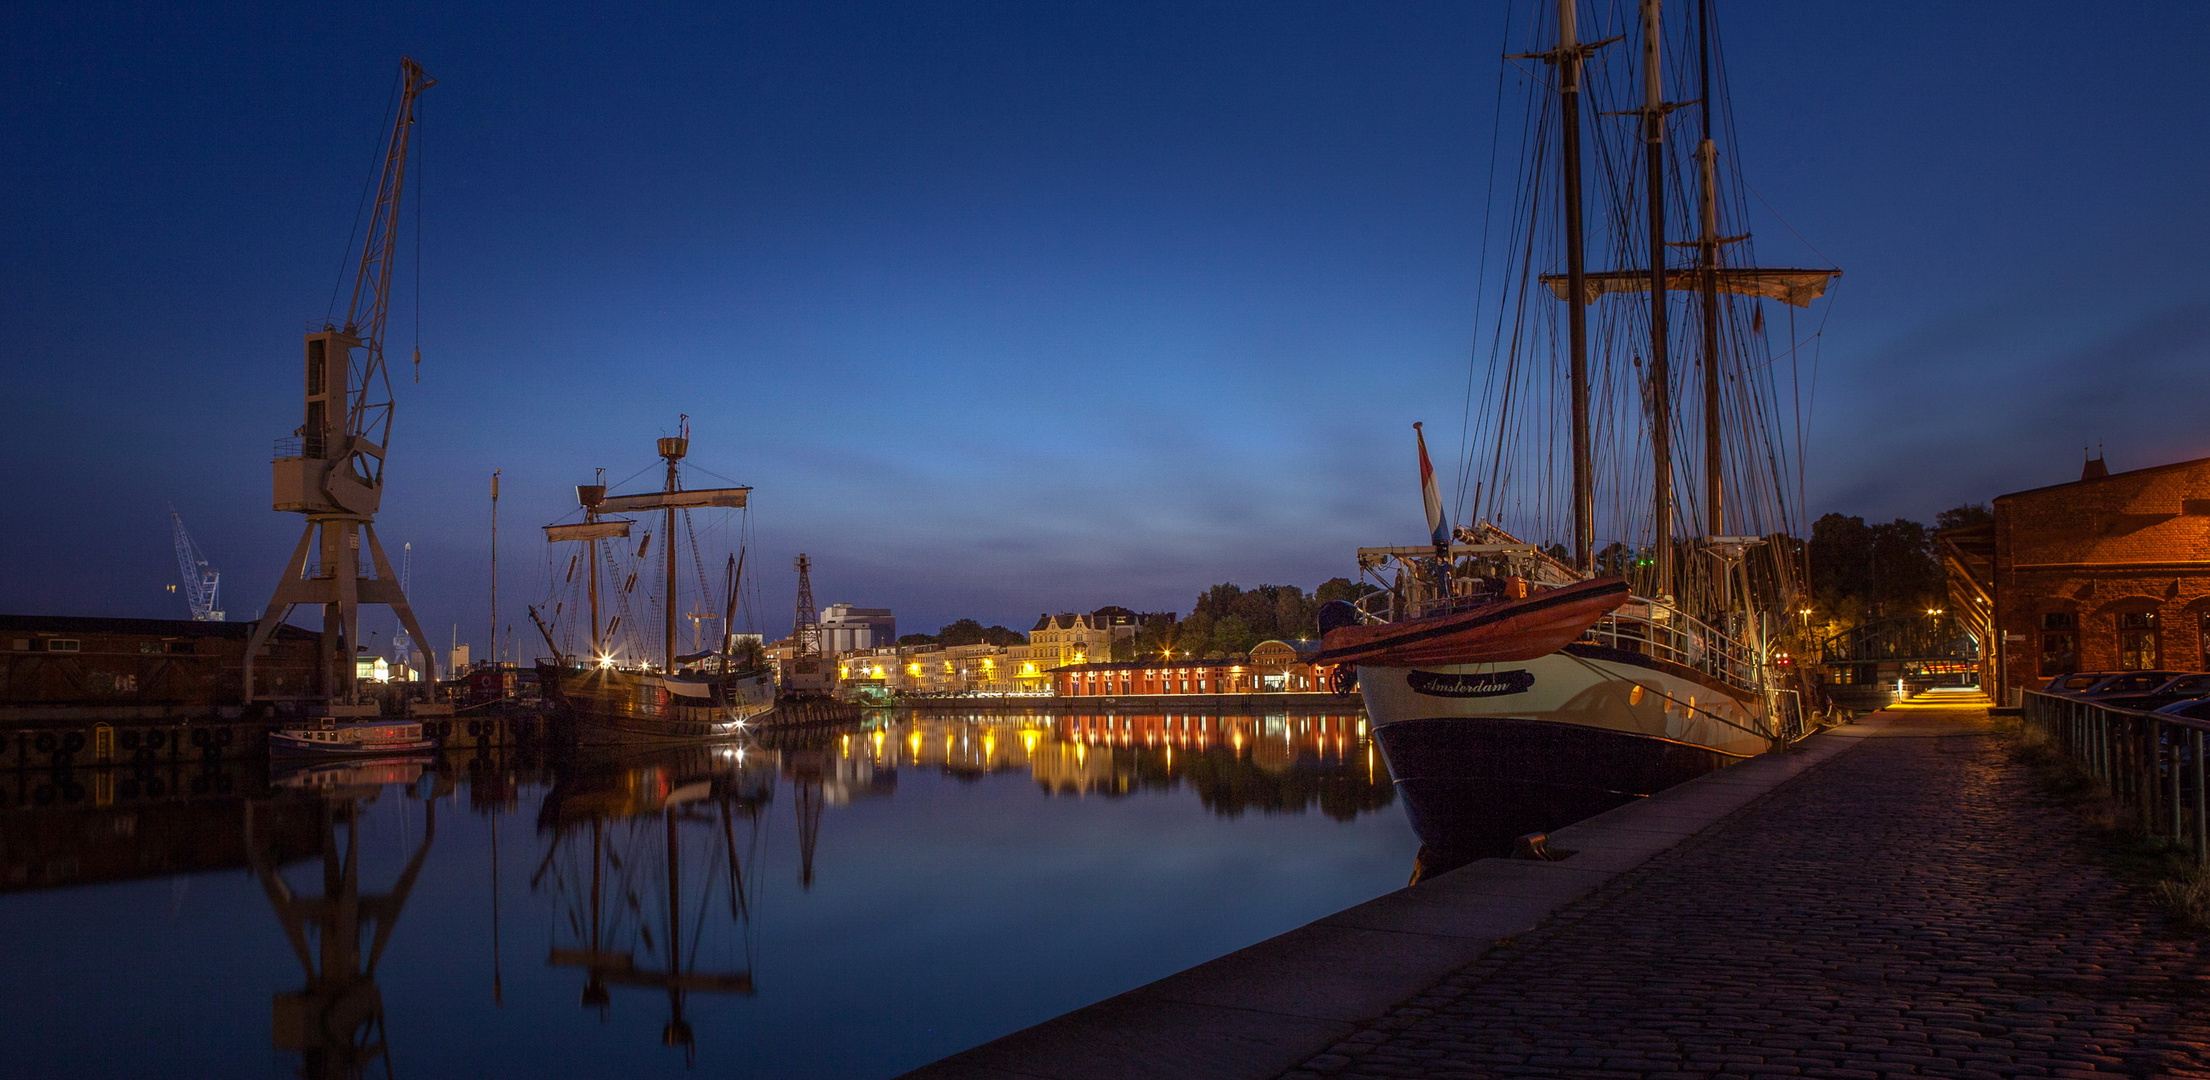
{"x": 2137, "y": 640}
{"x": 2204, "y": 632}
{"x": 61, "y": 644}
{"x": 2060, "y": 643}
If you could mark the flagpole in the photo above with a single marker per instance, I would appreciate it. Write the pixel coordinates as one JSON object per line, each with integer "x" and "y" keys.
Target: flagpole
{"x": 1438, "y": 526}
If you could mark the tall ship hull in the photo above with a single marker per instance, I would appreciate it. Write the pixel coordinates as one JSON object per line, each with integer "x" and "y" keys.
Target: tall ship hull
{"x": 1486, "y": 752}
{"x": 612, "y": 706}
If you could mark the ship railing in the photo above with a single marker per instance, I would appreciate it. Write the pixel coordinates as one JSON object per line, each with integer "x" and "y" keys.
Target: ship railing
{"x": 2151, "y": 762}
{"x": 1681, "y": 639}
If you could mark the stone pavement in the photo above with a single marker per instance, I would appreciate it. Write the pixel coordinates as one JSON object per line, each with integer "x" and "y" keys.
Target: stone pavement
{"x": 1907, "y": 908}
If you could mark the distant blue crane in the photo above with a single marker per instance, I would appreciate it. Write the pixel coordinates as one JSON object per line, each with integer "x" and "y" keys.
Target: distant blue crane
{"x": 202, "y": 584}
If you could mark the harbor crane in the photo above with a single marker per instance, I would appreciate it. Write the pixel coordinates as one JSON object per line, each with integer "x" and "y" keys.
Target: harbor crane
{"x": 202, "y": 584}
{"x": 332, "y": 466}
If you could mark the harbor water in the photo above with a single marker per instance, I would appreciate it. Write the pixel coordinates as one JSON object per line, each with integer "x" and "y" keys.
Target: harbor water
{"x": 847, "y": 903}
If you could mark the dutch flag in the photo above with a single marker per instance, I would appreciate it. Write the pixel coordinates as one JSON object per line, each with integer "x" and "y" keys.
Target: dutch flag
{"x": 1438, "y": 526}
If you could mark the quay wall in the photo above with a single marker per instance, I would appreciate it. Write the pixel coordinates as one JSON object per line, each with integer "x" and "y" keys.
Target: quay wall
{"x": 65, "y": 738}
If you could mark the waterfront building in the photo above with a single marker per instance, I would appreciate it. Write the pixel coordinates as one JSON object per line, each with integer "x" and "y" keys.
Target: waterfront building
{"x": 2105, "y": 573}
{"x": 1059, "y": 640}
{"x": 845, "y": 628}
{"x": 1285, "y": 667}
{"x": 1273, "y": 667}
{"x": 927, "y": 669}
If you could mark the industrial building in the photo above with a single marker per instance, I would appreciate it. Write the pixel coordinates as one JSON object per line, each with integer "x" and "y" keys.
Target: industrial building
{"x": 2105, "y": 573}
{"x": 147, "y": 668}
{"x": 845, "y": 628}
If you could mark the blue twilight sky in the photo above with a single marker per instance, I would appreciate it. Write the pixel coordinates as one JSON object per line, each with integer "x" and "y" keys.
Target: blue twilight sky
{"x": 1007, "y": 307}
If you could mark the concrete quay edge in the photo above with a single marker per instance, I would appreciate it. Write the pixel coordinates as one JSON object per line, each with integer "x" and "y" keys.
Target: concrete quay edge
{"x": 1262, "y": 1010}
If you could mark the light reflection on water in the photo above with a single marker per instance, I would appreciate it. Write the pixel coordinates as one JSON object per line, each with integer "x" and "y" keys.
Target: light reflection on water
{"x": 849, "y": 903}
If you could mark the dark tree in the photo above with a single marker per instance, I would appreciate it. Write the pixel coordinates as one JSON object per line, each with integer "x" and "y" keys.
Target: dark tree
{"x": 1962, "y": 516}
{"x": 1861, "y": 571}
{"x": 970, "y": 632}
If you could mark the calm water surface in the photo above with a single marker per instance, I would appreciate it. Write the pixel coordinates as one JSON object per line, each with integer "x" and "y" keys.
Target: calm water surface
{"x": 848, "y": 905}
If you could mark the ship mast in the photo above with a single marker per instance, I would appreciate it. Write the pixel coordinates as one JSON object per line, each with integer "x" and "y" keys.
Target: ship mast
{"x": 1576, "y": 271}
{"x": 1661, "y": 370}
{"x": 1707, "y": 250}
{"x": 1567, "y": 58}
{"x": 673, "y": 450}
{"x": 591, "y": 495}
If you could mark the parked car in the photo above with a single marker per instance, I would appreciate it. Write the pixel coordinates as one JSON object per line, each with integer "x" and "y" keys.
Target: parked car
{"x": 2076, "y": 681}
{"x": 2184, "y": 688}
{"x": 2096, "y": 685}
{"x": 2195, "y": 709}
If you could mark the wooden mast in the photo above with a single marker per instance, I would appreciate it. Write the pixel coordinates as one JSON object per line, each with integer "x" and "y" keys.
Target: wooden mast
{"x": 590, "y": 495}
{"x": 673, "y": 450}
{"x": 1661, "y": 371}
{"x": 1569, "y": 96}
{"x": 1567, "y": 58}
{"x": 1707, "y": 160}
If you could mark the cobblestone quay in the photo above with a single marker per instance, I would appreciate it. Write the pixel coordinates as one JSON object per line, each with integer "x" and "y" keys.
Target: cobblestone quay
{"x": 1909, "y": 908}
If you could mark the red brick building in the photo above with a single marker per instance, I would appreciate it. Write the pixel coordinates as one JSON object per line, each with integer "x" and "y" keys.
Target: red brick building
{"x": 1274, "y": 667}
{"x": 2109, "y": 572}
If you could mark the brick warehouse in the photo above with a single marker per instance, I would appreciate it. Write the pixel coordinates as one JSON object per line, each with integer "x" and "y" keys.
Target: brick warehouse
{"x": 2108, "y": 572}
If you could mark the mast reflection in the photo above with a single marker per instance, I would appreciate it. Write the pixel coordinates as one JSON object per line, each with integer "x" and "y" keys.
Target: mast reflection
{"x": 622, "y": 827}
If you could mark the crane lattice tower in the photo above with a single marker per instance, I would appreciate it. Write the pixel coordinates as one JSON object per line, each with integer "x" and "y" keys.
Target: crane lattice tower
{"x": 805, "y": 630}
{"x": 332, "y": 468}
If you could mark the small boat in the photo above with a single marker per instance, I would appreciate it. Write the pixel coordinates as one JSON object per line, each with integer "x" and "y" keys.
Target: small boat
{"x": 618, "y": 694}
{"x": 337, "y": 739}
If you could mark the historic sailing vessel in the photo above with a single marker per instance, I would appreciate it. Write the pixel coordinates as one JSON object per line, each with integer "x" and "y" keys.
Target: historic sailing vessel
{"x": 618, "y": 694}
{"x": 1543, "y": 684}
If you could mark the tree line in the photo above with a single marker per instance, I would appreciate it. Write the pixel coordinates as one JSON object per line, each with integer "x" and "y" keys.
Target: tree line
{"x": 1860, "y": 572}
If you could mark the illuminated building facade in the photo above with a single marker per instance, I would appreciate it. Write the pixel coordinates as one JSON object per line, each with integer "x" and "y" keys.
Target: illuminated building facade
{"x": 1273, "y": 667}
{"x": 2110, "y": 572}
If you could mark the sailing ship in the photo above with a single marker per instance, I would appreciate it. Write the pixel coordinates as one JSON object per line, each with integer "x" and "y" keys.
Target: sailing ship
{"x": 1543, "y": 683}
{"x": 619, "y": 695}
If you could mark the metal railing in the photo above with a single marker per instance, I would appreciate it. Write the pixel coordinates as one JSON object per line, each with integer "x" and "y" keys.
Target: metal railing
{"x": 2151, "y": 762}
{"x": 1681, "y": 639}
{"x": 296, "y": 446}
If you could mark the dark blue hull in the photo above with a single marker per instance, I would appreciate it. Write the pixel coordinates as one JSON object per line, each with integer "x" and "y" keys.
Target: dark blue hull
{"x": 1471, "y": 785}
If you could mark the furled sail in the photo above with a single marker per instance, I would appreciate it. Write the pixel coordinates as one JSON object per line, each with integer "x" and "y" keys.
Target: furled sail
{"x": 590, "y": 530}
{"x": 675, "y": 500}
{"x": 1798, "y": 287}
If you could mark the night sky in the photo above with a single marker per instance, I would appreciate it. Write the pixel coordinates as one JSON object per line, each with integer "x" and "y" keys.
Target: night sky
{"x": 1008, "y": 307}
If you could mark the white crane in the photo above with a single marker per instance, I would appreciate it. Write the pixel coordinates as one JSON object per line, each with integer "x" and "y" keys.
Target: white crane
{"x": 202, "y": 584}
{"x": 332, "y": 468}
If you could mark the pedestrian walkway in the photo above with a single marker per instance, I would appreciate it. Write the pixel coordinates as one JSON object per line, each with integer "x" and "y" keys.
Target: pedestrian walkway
{"x": 1910, "y": 907}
